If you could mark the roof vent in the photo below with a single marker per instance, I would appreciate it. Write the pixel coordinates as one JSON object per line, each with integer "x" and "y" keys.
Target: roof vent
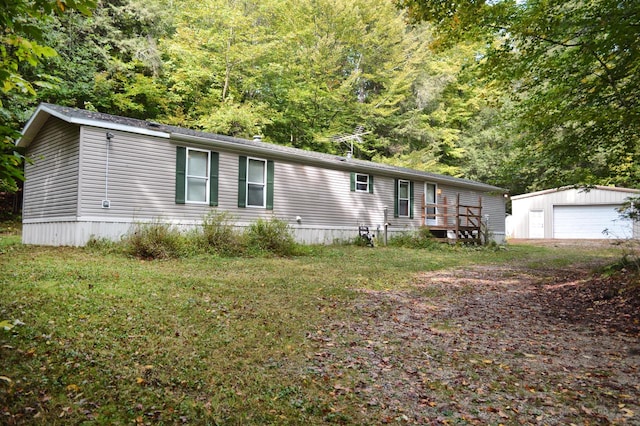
{"x": 257, "y": 138}
{"x": 153, "y": 124}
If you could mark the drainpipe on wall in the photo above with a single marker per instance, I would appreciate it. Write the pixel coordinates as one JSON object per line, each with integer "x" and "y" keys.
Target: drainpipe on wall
{"x": 106, "y": 203}
{"x": 386, "y": 224}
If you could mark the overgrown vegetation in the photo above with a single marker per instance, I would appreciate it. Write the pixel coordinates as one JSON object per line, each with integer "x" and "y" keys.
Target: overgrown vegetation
{"x": 271, "y": 236}
{"x": 420, "y": 239}
{"x": 155, "y": 240}
{"x": 217, "y": 235}
{"x": 98, "y": 336}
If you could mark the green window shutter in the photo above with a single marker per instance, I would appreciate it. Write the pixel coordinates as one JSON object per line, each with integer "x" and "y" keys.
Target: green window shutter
{"x": 242, "y": 181}
{"x": 370, "y": 184}
{"x": 270, "y": 169}
{"x": 395, "y": 198}
{"x": 213, "y": 179}
{"x": 353, "y": 182}
{"x": 411, "y": 197}
{"x": 181, "y": 168}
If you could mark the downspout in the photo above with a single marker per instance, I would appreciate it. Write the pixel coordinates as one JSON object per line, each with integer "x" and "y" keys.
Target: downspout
{"x": 106, "y": 203}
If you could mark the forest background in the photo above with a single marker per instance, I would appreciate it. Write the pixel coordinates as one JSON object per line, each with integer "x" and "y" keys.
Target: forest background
{"x": 524, "y": 95}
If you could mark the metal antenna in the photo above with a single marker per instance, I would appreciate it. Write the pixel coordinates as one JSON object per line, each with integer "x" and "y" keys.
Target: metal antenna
{"x": 357, "y": 134}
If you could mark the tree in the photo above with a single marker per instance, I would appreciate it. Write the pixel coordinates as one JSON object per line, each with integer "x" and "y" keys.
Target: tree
{"x": 573, "y": 69}
{"x": 22, "y": 47}
{"x": 297, "y": 72}
{"x": 110, "y": 61}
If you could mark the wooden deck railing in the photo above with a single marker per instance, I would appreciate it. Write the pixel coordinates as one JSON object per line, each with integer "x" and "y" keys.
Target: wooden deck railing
{"x": 463, "y": 219}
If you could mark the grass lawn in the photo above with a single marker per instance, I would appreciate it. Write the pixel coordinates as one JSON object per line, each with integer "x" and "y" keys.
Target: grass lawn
{"x": 102, "y": 338}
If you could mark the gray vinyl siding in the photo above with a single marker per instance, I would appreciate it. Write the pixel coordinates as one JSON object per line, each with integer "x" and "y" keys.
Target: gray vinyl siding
{"x": 322, "y": 196}
{"x": 51, "y": 185}
{"x": 141, "y": 177}
{"x": 142, "y": 187}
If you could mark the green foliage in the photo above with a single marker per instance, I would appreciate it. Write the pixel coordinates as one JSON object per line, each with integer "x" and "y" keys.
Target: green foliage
{"x": 23, "y": 48}
{"x": 156, "y": 240}
{"x": 110, "y": 62}
{"x": 630, "y": 209}
{"x": 273, "y": 236}
{"x": 297, "y": 72}
{"x": 572, "y": 68}
{"x": 104, "y": 245}
{"x": 420, "y": 239}
{"x": 219, "y": 236}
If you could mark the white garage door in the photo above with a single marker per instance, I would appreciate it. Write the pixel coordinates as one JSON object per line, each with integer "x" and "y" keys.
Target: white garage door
{"x": 589, "y": 222}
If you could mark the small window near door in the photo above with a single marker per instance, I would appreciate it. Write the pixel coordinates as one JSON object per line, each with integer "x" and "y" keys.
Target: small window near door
{"x": 362, "y": 183}
{"x": 403, "y": 198}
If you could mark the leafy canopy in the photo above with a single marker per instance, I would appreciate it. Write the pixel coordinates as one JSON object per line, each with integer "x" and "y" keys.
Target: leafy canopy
{"x": 21, "y": 47}
{"x": 573, "y": 69}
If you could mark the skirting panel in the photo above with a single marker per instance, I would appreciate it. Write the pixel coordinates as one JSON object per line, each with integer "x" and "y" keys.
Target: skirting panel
{"x": 70, "y": 233}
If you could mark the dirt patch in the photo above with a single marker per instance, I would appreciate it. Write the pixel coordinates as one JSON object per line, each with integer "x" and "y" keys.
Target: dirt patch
{"x": 491, "y": 345}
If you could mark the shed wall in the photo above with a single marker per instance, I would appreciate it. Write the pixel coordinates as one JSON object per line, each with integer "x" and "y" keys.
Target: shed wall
{"x": 546, "y": 201}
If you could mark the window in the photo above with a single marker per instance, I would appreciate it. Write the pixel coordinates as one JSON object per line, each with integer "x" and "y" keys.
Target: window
{"x": 403, "y": 198}
{"x": 403, "y": 194}
{"x": 361, "y": 183}
{"x": 255, "y": 183}
{"x": 196, "y": 176}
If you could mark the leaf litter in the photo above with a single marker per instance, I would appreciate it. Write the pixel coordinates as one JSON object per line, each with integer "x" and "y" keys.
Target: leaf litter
{"x": 490, "y": 345}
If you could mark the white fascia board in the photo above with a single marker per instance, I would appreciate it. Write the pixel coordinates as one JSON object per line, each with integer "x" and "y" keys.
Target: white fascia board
{"x": 569, "y": 188}
{"x": 42, "y": 113}
{"x": 120, "y": 127}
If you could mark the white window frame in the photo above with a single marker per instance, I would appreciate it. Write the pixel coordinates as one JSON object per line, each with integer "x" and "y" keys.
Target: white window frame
{"x": 408, "y": 199}
{"x": 357, "y": 182}
{"x": 263, "y": 183}
{"x": 205, "y": 178}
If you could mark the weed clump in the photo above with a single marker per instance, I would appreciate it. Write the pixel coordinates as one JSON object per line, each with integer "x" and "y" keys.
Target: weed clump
{"x": 272, "y": 236}
{"x": 420, "y": 239}
{"x": 155, "y": 240}
{"x": 218, "y": 235}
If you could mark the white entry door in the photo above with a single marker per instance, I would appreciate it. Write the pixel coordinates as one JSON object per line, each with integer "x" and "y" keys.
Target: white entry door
{"x": 430, "y": 190}
{"x": 536, "y": 224}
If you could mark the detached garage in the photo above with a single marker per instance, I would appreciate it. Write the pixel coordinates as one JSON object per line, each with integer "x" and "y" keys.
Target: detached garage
{"x": 573, "y": 213}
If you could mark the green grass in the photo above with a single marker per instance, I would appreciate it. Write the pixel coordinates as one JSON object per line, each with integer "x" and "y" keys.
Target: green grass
{"x": 104, "y": 338}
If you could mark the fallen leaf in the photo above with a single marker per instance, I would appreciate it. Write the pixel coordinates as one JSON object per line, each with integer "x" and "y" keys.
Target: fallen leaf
{"x": 73, "y": 388}
{"x": 6, "y": 325}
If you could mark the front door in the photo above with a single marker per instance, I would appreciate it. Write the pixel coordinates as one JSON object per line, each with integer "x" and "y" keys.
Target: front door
{"x": 430, "y": 204}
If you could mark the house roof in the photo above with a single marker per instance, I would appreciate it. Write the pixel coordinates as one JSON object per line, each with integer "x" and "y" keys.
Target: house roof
{"x": 569, "y": 188}
{"x": 179, "y": 134}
